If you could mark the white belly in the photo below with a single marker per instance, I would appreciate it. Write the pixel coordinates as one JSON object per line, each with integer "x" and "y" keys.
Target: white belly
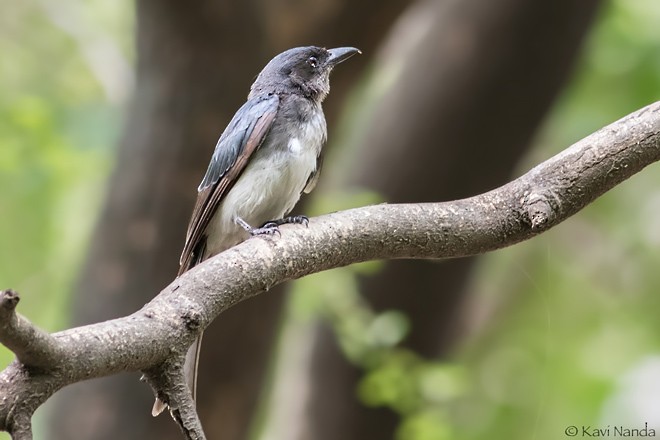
{"x": 268, "y": 189}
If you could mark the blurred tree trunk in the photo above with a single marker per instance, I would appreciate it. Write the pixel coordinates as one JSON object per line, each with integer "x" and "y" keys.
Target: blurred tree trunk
{"x": 472, "y": 82}
{"x": 196, "y": 62}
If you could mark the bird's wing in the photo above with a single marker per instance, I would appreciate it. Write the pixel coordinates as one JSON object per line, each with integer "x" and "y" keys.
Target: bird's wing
{"x": 242, "y": 137}
{"x": 314, "y": 177}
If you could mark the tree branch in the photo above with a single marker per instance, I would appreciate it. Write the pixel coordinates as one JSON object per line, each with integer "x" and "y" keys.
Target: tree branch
{"x": 159, "y": 334}
{"x": 31, "y": 345}
{"x": 169, "y": 383}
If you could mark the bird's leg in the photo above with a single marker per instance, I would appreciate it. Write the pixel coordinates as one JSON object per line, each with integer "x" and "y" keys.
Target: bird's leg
{"x": 269, "y": 228}
{"x": 293, "y": 219}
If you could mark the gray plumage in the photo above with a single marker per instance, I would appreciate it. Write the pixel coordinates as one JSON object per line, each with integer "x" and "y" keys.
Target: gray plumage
{"x": 280, "y": 169}
{"x": 269, "y": 154}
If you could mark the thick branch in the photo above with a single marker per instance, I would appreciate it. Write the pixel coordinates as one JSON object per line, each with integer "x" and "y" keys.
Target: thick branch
{"x": 164, "y": 328}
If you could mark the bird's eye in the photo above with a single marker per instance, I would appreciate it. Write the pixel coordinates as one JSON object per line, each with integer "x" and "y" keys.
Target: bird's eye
{"x": 313, "y": 61}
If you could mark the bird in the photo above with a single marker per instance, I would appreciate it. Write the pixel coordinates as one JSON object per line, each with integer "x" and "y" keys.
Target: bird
{"x": 268, "y": 155}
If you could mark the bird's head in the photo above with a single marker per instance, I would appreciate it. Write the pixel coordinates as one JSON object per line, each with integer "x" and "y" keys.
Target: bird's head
{"x": 304, "y": 70}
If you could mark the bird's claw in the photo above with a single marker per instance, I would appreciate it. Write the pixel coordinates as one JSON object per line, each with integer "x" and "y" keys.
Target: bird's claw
{"x": 270, "y": 228}
{"x": 294, "y": 220}
{"x": 299, "y": 220}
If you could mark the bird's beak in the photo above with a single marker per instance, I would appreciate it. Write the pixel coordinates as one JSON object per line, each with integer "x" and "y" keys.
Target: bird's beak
{"x": 339, "y": 54}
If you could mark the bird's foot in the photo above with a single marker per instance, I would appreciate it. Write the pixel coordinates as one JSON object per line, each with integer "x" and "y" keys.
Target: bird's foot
{"x": 294, "y": 220}
{"x": 269, "y": 228}
{"x": 272, "y": 227}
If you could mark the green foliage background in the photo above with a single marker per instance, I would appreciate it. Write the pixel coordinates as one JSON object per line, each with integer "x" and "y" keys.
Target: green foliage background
{"x": 59, "y": 123}
{"x": 64, "y": 70}
{"x": 571, "y": 336}
{"x": 564, "y": 329}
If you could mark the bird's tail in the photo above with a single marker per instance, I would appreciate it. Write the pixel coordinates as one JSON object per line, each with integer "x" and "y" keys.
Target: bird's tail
{"x": 159, "y": 407}
{"x": 192, "y": 362}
